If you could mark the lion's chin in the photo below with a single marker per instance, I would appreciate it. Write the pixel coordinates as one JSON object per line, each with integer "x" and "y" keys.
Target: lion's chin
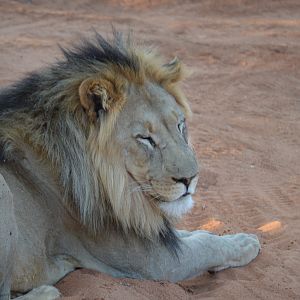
{"x": 177, "y": 208}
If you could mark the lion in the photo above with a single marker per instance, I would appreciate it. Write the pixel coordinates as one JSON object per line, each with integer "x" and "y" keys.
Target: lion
{"x": 96, "y": 168}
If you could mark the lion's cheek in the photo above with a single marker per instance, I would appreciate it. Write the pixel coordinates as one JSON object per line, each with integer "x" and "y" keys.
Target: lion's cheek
{"x": 137, "y": 163}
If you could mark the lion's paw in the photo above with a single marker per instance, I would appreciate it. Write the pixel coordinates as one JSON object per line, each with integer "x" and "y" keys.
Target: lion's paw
{"x": 242, "y": 249}
{"x": 45, "y": 292}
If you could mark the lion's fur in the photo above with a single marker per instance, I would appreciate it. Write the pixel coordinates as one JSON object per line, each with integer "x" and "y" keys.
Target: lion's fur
{"x": 95, "y": 165}
{"x": 44, "y": 111}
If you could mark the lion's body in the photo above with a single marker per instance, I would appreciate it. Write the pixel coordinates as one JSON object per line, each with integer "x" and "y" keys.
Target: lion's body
{"x": 39, "y": 224}
{"x": 95, "y": 167}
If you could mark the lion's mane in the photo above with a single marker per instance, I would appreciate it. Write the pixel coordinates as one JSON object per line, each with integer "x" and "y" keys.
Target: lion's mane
{"x": 43, "y": 111}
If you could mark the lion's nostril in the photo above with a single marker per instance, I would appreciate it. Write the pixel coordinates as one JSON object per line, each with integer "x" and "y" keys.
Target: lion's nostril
{"x": 184, "y": 180}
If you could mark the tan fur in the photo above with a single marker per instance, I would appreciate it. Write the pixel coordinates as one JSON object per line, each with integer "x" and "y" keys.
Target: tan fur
{"x": 108, "y": 179}
{"x": 131, "y": 209}
{"x": 96, "y": 154}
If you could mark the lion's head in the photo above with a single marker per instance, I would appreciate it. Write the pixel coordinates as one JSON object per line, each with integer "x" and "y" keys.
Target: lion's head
{"x": 111, "y": 119}
{"x": 152, "y": 135}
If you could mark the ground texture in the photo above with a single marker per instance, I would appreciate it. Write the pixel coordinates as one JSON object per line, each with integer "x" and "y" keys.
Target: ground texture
{"x": 245, "y": 93}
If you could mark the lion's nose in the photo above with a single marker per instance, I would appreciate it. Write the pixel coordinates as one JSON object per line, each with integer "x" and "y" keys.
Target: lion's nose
{"x": 185, "y": 180}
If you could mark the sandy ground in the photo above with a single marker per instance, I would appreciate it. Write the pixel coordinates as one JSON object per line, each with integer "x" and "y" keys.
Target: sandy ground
{"x": 245, "y": 93}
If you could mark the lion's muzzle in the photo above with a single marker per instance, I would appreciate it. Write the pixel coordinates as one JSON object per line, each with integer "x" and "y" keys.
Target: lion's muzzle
{"x": 175, "y": 189}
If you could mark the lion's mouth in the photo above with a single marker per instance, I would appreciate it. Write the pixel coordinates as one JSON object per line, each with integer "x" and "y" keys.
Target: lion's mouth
{"x": 186, "y": 194}
{"x": 171, "y": 207}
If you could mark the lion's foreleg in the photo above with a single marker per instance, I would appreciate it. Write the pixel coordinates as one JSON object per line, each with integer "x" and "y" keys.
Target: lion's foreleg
{"x": 44, "y": 292}
{"x": 202, "y": 251}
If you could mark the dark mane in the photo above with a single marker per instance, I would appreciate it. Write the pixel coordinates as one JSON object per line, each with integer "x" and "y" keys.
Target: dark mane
{"x": 19, "y": 95}
{"x": 102, "y": 51}
{"x": 44, "y": 110}
{"x": 169, "y": 239}
{"x": 85, "y": 58}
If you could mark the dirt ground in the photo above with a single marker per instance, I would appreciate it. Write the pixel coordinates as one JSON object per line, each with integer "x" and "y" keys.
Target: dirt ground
{"x": 245, "y": 94}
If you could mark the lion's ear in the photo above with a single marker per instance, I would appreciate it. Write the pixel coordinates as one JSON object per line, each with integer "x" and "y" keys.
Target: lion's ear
{"x": 176, "y": 71}
{"x": 95, "y": 97}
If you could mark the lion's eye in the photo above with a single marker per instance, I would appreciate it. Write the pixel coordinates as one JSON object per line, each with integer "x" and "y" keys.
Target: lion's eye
{"x": 146, "y": 140}
{"x": 182, "y": 129}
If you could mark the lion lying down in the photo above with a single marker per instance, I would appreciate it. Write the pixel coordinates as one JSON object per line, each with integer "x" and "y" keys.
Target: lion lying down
{"x": 96, "y": 167}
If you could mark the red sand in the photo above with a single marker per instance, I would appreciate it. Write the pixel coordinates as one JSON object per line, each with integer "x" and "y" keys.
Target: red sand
{"x": 245, "y": 93}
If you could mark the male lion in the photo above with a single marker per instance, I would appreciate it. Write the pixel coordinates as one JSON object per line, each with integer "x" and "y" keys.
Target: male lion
{"x": 96, "y": 167}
